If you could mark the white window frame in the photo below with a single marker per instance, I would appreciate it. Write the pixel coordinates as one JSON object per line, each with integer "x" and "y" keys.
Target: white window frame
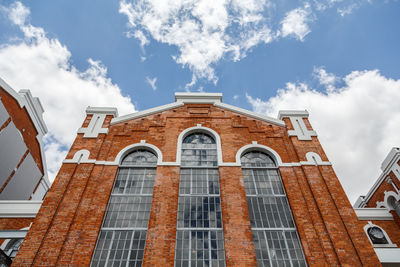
{"x": 370, "y": 225}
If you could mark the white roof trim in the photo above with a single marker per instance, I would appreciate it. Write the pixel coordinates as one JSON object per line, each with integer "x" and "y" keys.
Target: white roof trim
{"x": 19, "y": 208}
{"x": 146, "y": 112}
{"x": 292, "y": 113}
{"x": 250, "y": 114}
{"x": 383, "y": 176}
{"x": 12, "y": 92}
{"x": 35, "y": 110}
{"x": 373, "y": 214}
{"x": 102, "y": 110}
{"x": 199, "y": 98}
{"x": 391, "y": 158}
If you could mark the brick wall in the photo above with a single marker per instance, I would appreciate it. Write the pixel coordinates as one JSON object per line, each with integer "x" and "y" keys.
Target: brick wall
{"x": 24, "y": 124}
{"x": 67, "y": 225}
{"x": 14, "y": 224}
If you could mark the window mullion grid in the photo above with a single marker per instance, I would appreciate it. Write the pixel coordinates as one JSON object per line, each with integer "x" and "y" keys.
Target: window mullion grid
{"x": 267, "y": 245}
{"x": 268, "y": 177}
{"x": 278, "y": 198}
{"x": 254, "y": 181}
{"x": 110, "y": 246}
{"x": 287, "y": 248}
{"x": 124, "y": 212}
{"x": 277, "y": 210}
{"x": 130, "y": 249}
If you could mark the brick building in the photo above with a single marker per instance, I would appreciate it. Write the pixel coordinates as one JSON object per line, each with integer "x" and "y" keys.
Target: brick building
{"x": 196, "y": 183}
{"x": 23, "y": 173}
{"x": 379, "y": 211}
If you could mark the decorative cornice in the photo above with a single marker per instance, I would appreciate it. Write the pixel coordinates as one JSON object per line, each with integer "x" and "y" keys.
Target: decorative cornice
{"x": 198, "y": 98}
{"x": 387, "y": 165}
{"x": 373, "y": 214}
{"x": 292, "y": 113}
{"x": 102, "y": 110}
{"x": 146, "y": 112}
{"x": 392, "y": 158}
{"x": 250, "y": 114}
{"x": 19, "y": 208}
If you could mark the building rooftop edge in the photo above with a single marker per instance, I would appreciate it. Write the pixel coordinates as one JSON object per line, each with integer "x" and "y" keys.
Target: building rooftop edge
{"x": 291, "y": 113}
{"x": 388, "y": 161}
{"x": 187, "y": 97}
{"x": 102, "y": 110}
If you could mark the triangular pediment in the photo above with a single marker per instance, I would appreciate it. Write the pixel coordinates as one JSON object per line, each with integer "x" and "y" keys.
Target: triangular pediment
{"x": 197, "y": 98}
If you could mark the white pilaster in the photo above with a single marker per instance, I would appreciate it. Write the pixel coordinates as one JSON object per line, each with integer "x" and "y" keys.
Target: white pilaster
{"x": 95, "y": 126}
{"x": 296, "y": 118}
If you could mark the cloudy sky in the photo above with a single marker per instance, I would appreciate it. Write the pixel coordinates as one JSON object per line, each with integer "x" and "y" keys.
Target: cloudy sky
{"x": 339, "y": 59}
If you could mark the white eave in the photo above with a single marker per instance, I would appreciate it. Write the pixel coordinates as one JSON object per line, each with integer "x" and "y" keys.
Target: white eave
{"x": 19, "y": 208}
{"x": 392, "y": 158}
{"x": 197, "y": 98}
{"x": 373, "y": 214}
{"x": 102, "y": 110}
{"x": 32, "y": 105}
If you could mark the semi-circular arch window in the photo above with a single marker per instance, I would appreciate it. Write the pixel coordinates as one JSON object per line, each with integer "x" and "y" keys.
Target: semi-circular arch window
{"x": 377, "y": 236}
{"x": 122, "y": 237}
{"x": 199, "y": 235}
{"x": 274, "y": 232}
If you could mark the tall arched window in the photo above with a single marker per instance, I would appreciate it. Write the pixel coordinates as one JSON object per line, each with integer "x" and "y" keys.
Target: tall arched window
{"x": 274, "y": 232}
{"x": 199, "y": 238}
{"x": 122, "y": 237}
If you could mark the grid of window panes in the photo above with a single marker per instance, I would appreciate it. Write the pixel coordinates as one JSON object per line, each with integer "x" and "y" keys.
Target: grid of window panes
{"x": 122, "y": 237}
{"x": 278, "y": 248}
{"x": 200, "y": 248}
{"x": 199, "y": 149}
{"x": 274, "y": 232}
{"x": 12, "y": 247}
{"x": 199, "y": 237}
{"x": 119, "y": 248}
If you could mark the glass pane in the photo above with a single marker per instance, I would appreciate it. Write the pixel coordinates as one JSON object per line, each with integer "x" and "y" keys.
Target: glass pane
{"x": 257, "y": 159}
{"x": 199, "y": 248}
{"x": 115, "y": 247}
{"x": 269, "y": 210}
{"x": 199, "y": 149}
{"x": 120, "y": 243}
{"x": 140, "y": 158}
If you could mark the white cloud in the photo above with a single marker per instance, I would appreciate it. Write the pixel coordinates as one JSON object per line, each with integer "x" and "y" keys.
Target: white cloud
{"x": 325, "y": 78}
{"x": 203, "y": 30}
{"x": 152, "y": 82}
{"x": 357, "y": 124}
{"x": 18, "y": 13}
{"x": 296, "y": 22}
{"x": 44, "y": 66}
{"x": 207, "y": 31}
{"x": 347, "y": 10}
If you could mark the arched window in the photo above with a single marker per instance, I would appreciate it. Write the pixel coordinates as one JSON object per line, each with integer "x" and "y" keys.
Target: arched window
{"x": 274, "y": 232}
{"x": 199, "y": 149}
{"x": 199, "y": 238}
{"x": 377, "y": 235}
{"x": 122, "y": 237}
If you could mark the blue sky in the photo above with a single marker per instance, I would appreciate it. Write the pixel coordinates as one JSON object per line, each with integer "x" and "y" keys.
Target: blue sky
{"x": 339, "y": 59}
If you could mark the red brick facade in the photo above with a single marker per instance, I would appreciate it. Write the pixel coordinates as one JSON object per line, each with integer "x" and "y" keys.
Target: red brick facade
{"x": 24, "y": 124}
{"x": 66, "y": 228}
